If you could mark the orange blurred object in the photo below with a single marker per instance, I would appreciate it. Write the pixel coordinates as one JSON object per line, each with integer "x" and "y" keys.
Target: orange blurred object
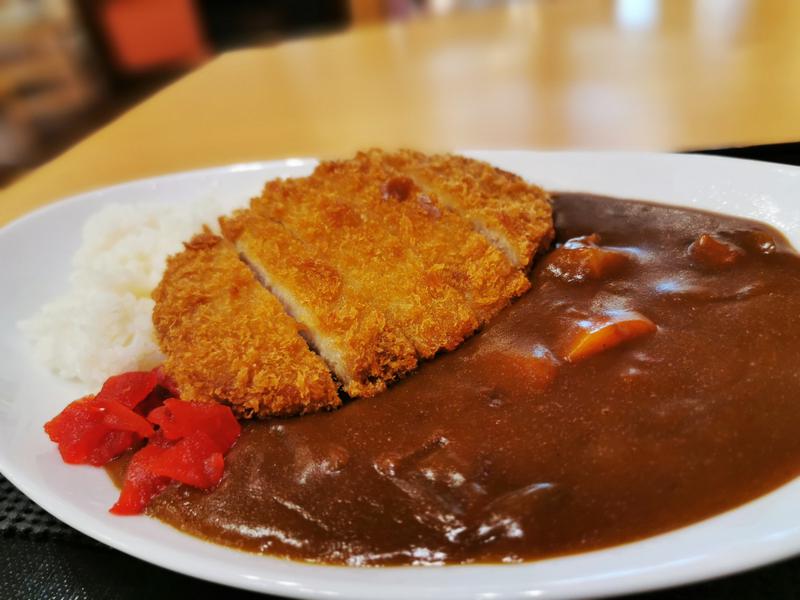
{"x": 148, "y": 34}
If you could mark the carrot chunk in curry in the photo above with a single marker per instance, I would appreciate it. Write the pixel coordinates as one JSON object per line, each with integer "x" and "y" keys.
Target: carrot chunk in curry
{"x": 615, "y": 328}
{"x": 532, "y": 371}
{"x": 712, "y": 251}
{"x": 582, "y": 258}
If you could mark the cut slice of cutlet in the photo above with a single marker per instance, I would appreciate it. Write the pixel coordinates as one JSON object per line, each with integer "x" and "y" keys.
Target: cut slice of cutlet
{"x": 353, "y": 337}
{"x": 345, "y": 221}
{"x": 443, "y": 240}
{"x": 227, "y": 339}
{"x": 515, "y": 216}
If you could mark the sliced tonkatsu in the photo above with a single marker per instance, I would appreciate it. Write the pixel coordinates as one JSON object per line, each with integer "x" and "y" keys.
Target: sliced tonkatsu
{"x": 513, "y": 214}
{"x": 340, "y": 220}
{"x": 227, "y": 339}
{"x": 346, "y": 278}
{"x": 340, "y": 322}
{"x": 443, "y": 240}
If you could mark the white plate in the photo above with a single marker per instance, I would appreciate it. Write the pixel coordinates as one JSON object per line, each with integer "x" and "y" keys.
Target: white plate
{"x": 35, "y": 255}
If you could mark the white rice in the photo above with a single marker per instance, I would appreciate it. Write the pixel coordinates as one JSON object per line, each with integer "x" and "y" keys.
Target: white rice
{"x": 102, "y": 326}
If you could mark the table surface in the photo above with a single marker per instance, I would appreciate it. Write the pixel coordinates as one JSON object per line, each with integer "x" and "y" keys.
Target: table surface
{"x": 636, "y": 74}
{"x": 43, "y": 558}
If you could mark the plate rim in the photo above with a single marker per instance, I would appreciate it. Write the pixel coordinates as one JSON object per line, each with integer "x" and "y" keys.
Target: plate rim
{"x": 698, "y": 571}
{"x": 257, "y": 165}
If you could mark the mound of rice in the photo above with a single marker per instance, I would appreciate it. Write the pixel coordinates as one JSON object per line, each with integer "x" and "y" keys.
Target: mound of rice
{"x": 102, "y": 326}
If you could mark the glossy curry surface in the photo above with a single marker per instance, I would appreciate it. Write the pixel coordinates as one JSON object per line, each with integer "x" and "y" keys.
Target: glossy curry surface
{"x": 648, "y": 380}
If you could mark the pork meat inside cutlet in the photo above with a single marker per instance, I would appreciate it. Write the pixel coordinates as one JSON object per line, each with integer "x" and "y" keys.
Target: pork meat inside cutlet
{"x": 514, "y": 215}
{"x": 444, "y": 241}
{"x": 340, "y": 322}
{"x": 345, "y": 220}
{"x": 227, "y": 339}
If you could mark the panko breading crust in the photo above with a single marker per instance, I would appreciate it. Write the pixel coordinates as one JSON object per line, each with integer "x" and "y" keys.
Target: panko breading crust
{"x": 514, "y": 215}
{"x": 227, "y": 339}
{"x": 341, "y": 219}
{"x": 380, "y": 261}
{"x": 444, "y": 241}
{"x": 350, "y": 334}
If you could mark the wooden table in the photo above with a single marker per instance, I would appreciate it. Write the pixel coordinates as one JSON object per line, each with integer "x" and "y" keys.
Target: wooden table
{"x": 637, "y": 74}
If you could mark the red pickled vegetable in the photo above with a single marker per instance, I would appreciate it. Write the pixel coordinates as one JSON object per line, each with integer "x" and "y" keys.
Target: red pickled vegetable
{"x": 178, "y": 419}
{"x": 165, "y": 381}
{"x": 119, "y": 417}
{"x": 129, "y": 389}
{"x": 96, "y": 429}
{"x": 195, "y": 461}
{"x": 76, "y": 430}
{"x": 187, "y": 447}
{"x": 111, "y": 446}
{"x": 154, "y": 400}
{"x": 141, "y": 485}
{"x": 84, "y": 436}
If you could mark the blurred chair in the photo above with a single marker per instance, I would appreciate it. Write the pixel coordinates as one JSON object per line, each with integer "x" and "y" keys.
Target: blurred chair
{"x": 42, "y": 75}
{"x": 148, "y": 34}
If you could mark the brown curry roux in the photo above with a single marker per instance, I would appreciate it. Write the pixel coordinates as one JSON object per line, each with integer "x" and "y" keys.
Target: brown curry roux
{"x": 507, "y": 450}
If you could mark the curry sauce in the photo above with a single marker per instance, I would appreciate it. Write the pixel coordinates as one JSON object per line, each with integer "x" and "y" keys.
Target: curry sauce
{"x": 648, "y": 380}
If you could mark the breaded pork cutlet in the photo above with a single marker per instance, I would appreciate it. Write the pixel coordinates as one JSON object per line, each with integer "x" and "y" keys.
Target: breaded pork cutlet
{"x": 377, "y": 262}
{"x": 514, "y": 215}
{"x": 344, "y": 221}
{"x": 227, "y": 339}
{"x": 443, "y": 241}
{"x": 362, "y": 349}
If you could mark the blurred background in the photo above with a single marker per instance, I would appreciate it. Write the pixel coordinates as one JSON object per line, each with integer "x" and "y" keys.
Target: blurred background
{"x": 68, "y": 67}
